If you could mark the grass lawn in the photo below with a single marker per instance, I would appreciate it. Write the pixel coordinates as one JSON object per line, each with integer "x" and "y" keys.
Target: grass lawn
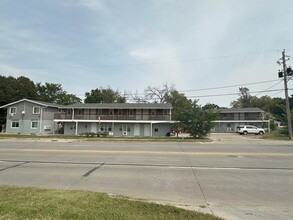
{"x": 109, "y": 138}
{"x": 275, "y": 135}
{"x": 33, "y": 203}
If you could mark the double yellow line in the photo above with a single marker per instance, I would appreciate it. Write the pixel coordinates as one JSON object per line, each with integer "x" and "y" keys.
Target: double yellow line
{"x": 159, "y": 152}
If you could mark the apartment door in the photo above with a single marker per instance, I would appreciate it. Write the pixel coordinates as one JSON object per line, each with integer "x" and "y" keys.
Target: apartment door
{"x": 147, "y": 130}
{"x": 136, "y": 129}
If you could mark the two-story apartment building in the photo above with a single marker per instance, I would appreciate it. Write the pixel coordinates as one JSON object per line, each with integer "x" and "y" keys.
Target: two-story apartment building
{"x": 229, "y": 119}
{"x": 30, "y": 117}
{"x": 119, "y": 119}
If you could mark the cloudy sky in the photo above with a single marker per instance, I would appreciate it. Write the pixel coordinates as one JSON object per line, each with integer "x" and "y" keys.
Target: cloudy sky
{"x": 206, "y": 48}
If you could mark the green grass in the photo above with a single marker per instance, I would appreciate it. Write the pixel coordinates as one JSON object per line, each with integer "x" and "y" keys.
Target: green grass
{"x": 275, "y": 135}
{"x": 109, "y": 138}
{"x": 32, "y": 203}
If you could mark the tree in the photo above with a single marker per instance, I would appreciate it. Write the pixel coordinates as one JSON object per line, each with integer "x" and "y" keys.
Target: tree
{"x": 197, "y": 120}
{"x": 13, "y": 89}
{"x": 179, "y": 102}
{"x": 158, "y": 94}
{"x": 54, "y": 93}
{"x": 104, "y": 96}
{"x": 165, "y": 94}
{"x": 244, "y": 101}
{"x": 211, "y": 106}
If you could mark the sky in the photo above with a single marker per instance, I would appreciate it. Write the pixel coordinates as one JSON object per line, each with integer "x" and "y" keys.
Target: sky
{"x": 207, "y": 49}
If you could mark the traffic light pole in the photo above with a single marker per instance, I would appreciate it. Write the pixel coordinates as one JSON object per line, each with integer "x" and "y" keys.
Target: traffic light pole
{"x": 288, "y": 113}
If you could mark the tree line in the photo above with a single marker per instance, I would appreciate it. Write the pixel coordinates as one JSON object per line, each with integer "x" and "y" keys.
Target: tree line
{"x": 193, "y": 117}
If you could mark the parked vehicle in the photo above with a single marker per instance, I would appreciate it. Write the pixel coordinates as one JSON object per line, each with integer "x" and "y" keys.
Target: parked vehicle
{"x": 249, "y": 129}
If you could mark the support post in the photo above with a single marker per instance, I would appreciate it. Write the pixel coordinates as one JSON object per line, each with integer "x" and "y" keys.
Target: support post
{"x": 286, "y": 96}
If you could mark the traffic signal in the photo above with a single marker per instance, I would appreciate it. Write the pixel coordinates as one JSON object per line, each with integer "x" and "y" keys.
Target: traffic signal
{"x": 289, "y": 71}
{"x": 280, "y": 74}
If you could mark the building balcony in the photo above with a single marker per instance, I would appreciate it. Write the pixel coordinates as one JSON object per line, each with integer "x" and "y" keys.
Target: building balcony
{"x": 144, "y": 117}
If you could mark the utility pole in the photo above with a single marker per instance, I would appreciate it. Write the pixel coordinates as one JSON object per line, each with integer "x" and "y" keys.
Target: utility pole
{"x": 286, "y": 72}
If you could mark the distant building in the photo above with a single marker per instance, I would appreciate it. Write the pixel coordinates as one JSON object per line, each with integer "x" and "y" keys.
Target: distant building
{"x": 229, "y": 119}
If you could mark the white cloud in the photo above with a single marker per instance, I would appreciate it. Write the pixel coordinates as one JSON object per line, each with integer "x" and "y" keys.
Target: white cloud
{"x": 94, "y": 5}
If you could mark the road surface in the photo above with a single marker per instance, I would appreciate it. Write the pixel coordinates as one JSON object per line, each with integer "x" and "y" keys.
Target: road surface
{"x": 235, "y": 177}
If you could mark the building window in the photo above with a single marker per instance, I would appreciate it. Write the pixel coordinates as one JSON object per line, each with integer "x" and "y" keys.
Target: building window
{"x": 128, "y": 128}
{"x": 120, "y": 128}
{"x": 15, "y": 124}
{"x": 34, "y": 124}
{"x": 13, "y": 110}
{"x": 36, "y": 110}
{"x": 80, "y": 111}
{"x": 156, "y": 130}
{"x": 119, "y": 112}
{"x": 130, "y": 112}
{"x": 110, "y": 112}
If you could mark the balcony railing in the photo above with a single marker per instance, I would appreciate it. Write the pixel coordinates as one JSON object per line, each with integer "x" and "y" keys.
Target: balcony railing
{"x": 63, "y": 116}
{"x": 239, "y": 118}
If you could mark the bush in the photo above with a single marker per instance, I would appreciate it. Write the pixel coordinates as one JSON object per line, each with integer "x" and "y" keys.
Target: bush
{"x": 102, "y": 134}
{"x": 89, "y": 134}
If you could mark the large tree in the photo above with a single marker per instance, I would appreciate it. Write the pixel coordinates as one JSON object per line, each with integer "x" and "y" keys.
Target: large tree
{"x": 192, "y": 117}
{"x": 13, "y": 89}
{"x": 179, "y": 102}
{"x": 104, "y": 96}
{"x": 165, "y": 94}
{"x": 159, "y": 94}
{"x": 244, "y": 100}
{"x": 197, "y": 120}
{"x": 54, "y": 93}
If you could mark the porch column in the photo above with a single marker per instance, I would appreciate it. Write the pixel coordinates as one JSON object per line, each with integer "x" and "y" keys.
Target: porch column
{"x": 76, "y": 127}
{"x": 151, "y": 129}
{"x": 269, "y": 126}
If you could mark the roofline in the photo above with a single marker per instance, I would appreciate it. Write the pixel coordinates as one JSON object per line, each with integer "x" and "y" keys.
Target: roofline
{"x": 28, "y": 100}
{"x": 239, "y": 121}
{"x": 117, "y": 121}
{"x": 129, "y": 106}
{"x": 230, "y": 110}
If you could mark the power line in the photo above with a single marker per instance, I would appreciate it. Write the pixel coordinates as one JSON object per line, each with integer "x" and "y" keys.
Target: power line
{"x": 224, "y": 87}
{"x": 216, "y": 95}
{"x": 230, "y": 94}
{"x": 269, "y": 88}
{"x": 159, "y": 62}
{"x": 210, "y": 88}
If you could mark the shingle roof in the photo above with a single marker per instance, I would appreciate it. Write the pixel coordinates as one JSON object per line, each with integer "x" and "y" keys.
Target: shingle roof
{"x": 120, "y": 106}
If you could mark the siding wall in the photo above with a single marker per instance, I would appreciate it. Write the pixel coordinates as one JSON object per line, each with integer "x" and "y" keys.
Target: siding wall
{"x": 25, "y": 120}
{"x": 118, "y": 129}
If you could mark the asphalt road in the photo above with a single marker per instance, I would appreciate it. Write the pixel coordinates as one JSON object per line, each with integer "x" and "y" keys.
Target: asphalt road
{"x": 234, "y": 177}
